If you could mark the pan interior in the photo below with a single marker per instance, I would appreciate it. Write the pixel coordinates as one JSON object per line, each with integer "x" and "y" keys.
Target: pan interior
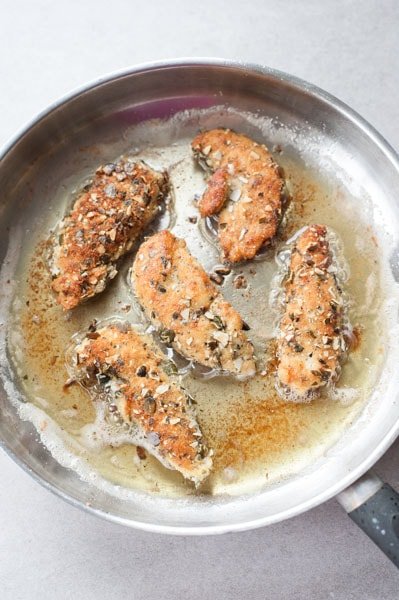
{"x": 262, "y": 445}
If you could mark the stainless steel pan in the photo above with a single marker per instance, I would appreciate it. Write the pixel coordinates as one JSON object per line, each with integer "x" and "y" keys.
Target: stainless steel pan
{"x": 159, "y": 90}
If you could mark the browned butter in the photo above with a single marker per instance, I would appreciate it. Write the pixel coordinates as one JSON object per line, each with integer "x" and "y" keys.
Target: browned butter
{"x": 257, "y": 438}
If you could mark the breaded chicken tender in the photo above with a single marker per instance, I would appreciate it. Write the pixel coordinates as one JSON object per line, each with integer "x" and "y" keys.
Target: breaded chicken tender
{"x": 311, "y": 342}
{"x": 106, "y": 219}
{"x": 185, "y": 306}
{"x": 125, "y": 371}
{"x": 246, "y": 190}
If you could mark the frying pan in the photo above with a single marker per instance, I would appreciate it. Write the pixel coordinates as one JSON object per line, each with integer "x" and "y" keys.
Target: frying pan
{"x": 359, "y": 155}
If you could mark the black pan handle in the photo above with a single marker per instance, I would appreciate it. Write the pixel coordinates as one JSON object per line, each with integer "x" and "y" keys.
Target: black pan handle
{"x": 374, "y": 507}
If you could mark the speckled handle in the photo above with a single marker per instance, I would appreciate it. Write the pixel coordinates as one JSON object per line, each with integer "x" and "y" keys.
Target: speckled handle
{"x": 379, "y": 518}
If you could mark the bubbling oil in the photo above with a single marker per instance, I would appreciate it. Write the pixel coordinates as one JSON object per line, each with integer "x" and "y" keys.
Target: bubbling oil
{"x": 258, "y": 439}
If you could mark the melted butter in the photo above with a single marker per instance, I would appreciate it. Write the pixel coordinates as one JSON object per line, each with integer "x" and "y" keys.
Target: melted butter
{"x": 257, "y": 438}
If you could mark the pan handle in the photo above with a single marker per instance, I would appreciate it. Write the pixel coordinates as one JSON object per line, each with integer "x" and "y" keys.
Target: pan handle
{"x": 374, "y": 506}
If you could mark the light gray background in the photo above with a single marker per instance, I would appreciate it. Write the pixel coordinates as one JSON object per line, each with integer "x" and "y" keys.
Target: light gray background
{"x": 49, "y": 550}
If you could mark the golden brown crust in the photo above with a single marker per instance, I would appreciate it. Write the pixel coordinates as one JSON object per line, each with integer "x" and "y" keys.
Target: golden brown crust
{"x": 311, "y": 342}
{"x": 251, "y": 217}
{"x": 102, "y": 226}
{"x": 215, "y": 195}
{"x": 180, "y": 300}
{"x": 127, "y": 372}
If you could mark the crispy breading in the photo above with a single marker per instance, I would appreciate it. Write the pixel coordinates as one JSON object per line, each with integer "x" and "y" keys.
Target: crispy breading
{"x": 311, "y": 341}
{"x": 191, "y": 314}
{"x": 215, "y": 195}
{"x": 127, "y": 372}
{"x": 106, "y": 219}
{"x": 253, "y": 184}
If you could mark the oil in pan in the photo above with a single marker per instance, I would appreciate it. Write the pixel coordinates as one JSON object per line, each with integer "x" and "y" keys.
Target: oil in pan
{"x": 257, "y": 438}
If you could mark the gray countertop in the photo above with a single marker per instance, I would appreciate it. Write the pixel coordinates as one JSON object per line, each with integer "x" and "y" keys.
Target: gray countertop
{"x": 50, "y": 550}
